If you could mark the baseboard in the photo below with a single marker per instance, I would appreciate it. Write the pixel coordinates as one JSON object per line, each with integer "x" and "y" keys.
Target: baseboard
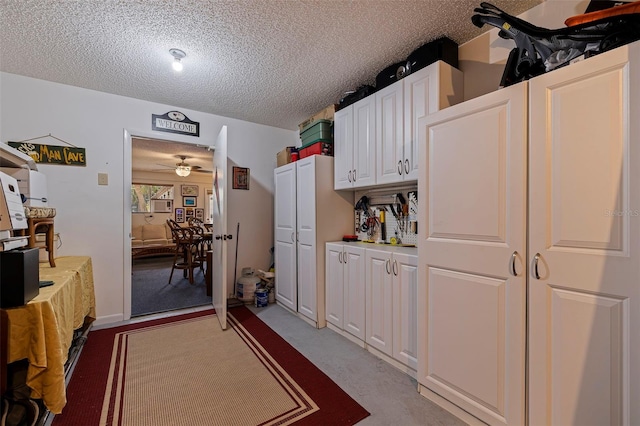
{"x": 107, "y": 321}
{"x": 449, "y": 406}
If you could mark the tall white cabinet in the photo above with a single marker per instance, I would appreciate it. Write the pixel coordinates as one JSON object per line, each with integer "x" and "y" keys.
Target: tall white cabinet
{"x": 308, "y": 213}
{"x": 529, "y": 248}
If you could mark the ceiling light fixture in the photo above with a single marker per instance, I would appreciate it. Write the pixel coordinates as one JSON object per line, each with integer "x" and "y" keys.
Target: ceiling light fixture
{"x": 182, "y": 168}
{"x": 177, "y": 56}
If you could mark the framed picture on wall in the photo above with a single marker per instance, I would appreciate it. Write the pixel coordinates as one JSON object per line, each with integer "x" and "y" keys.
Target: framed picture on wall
{"x": 188, "y": 212}
{"x": 189, "y": 190}
{"x": 240, "y": 178}
{"x": 189, "y": 201}
{"x": 200, "y": 214}
{"x": 180, "y": 215}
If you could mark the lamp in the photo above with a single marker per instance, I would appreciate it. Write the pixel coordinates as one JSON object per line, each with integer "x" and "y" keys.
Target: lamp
{"x": 177, "y": 56}
{"x": 183, "y": 171}
{"x": 182, "y": 168}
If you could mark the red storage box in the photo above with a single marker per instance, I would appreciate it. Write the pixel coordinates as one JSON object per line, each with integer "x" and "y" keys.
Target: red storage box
{"x": 320, "y": 148}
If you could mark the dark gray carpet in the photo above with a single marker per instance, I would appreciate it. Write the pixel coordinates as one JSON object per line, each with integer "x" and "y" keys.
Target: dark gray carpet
{"x": 151, "y": 291}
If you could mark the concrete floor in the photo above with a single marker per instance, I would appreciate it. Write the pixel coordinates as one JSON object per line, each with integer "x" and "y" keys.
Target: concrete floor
{"x": 387, "y": 393}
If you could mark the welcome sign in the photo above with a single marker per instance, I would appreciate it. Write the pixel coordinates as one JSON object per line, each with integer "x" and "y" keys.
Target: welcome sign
{"x": 175, "y": 122}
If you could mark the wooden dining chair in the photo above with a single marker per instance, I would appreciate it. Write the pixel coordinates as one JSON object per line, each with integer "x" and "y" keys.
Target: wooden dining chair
{"x": 187, "y": 243}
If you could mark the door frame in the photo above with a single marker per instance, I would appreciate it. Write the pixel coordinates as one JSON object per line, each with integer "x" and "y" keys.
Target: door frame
{"x": 127, "y": 180}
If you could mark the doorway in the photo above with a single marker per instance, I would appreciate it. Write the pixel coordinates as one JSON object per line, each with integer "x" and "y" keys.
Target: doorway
{"x": 161, "y": 190}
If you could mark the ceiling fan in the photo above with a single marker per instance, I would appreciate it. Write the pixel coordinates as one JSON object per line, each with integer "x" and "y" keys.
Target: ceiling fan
{"x": 183, "y": 169}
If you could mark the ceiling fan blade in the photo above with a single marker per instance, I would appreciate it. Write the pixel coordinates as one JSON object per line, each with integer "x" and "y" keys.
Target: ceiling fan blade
{"x": 164, "y": 165}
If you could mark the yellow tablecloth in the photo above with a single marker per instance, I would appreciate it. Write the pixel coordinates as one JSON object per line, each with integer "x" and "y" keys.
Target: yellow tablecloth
{"x": 42, "y": 330}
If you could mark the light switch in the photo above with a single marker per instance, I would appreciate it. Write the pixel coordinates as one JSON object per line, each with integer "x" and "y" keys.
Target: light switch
{"x": 103, "y": 179}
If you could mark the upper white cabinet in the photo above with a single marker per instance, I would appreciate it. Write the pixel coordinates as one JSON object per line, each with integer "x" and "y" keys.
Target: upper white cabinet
{"x": 535, "y": 188}
{"x": 398, "y": 108}
{"x": 354, "y": 144}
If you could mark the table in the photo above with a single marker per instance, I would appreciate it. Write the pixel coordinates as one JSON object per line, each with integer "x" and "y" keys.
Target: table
{"x": 42, "y": 330}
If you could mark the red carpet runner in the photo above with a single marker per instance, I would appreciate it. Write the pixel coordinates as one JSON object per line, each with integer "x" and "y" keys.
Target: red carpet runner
{"x": 85, "y": 392}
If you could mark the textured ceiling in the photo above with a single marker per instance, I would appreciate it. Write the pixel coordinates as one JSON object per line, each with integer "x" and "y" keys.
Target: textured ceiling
{"x": 274, "y": 62}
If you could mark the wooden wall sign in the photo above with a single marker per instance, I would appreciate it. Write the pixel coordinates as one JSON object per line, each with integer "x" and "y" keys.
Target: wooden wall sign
{"x": 52, "y": 154}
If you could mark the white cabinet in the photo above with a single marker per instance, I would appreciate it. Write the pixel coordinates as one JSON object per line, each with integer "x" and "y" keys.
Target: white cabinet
{"x": 345, "y": 290}
{"x": 398, "y": 108}
{"x": 584, "y": 242}
{"x": 375, "y": 139}
{"x": 308, "y": 212}
{"x": 354, "y": 145}
{"x": 391, "y": 313}
{"x": 575, "y": 192}
{"x": 285, "y": 248}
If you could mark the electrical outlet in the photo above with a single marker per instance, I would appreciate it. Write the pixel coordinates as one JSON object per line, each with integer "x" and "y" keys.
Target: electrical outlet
{"x": 103, "y": 179}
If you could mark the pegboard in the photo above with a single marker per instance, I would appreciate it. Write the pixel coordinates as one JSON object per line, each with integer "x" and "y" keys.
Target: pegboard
{"x": 401, "y": 222}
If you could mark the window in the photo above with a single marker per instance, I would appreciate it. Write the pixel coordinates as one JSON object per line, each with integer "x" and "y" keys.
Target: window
{"x": 142, "y": 194}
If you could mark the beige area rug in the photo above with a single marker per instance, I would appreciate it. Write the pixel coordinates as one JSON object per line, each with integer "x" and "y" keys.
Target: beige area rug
{"x": 192, "y": 373}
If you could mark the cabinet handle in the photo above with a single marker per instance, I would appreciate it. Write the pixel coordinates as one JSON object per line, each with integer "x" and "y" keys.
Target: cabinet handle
{"x": 395, "y": 267}
{"x": 340, "y": 257}
{"x": 344, "y": 257}
{"x": 400, "y": 167}
{"x": 354, "y": 175}
{"x": 512, "y": 265}
{"x": 536, "y": 259}
{"x": 406, "y": 166}
{"x": 349, "y": 176}
{"x": 387, "y": 265}
{"x": 293, "y": 238}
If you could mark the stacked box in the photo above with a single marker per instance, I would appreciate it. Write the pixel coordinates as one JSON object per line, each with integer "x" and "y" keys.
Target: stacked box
{"x": 317, "y": 148}
{"x": 284, "y": 156}
{"x": 325, "y": 114}
{"x": 320, "y": 130}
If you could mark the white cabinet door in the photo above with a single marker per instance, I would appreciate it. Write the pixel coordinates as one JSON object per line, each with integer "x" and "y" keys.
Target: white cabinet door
{"x": 354, "y": 291}
{"x": 421, "y": 98}
{"x": 584, "y": 289}
{"x": 471, "y": 312}
{"x": 285, "y": 257}
{"x": 343, "y": 148}
{"x": 405, "y": 305}
{"x": 334, "y": 278}
{"x": 364, "y": 154}
{"x": 379, "y": 297}
{"x": 389, "y": 137}
{"x": 306, "y": 228}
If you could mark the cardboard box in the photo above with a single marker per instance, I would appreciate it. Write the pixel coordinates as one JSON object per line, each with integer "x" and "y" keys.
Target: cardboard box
{"x": 325, "y": 114}
{"x": 284, "y": 156}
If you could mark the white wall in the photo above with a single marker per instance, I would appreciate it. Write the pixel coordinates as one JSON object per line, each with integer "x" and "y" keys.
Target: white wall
{"x": 482, "y": 59}
{"x": 91, "y": 218}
